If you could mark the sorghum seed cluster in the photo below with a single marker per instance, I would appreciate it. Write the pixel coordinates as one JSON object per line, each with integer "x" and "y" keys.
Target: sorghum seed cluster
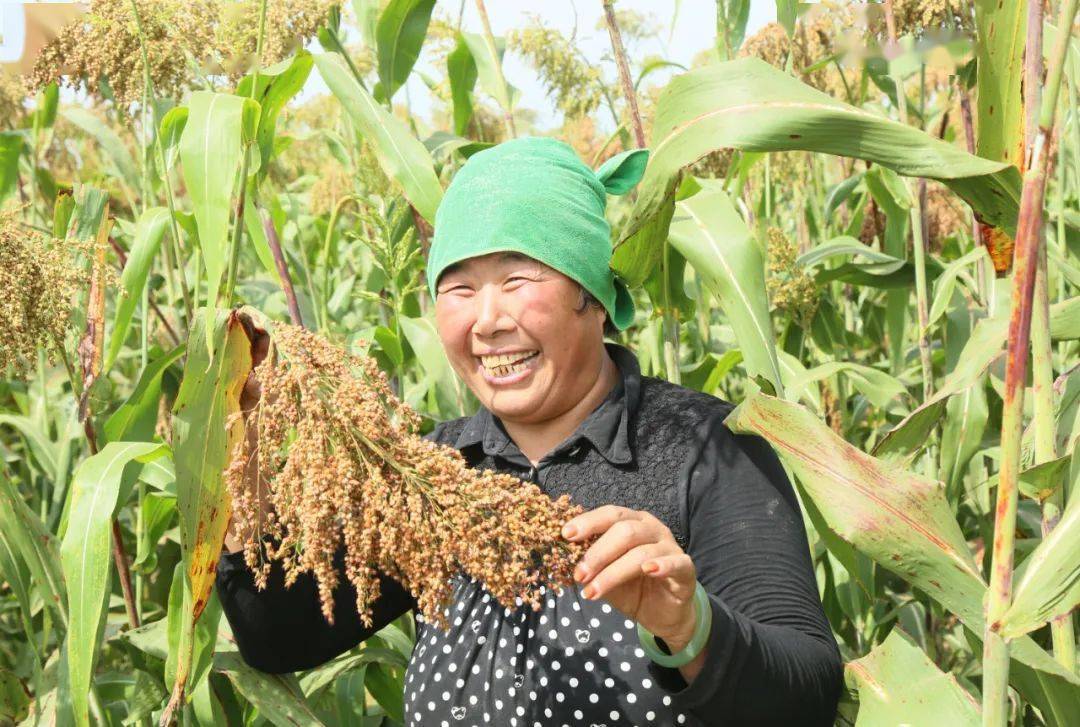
{"x": 339, "y": 459}
{"x": 39, "y": 280}
{"x": 184, "y": 38}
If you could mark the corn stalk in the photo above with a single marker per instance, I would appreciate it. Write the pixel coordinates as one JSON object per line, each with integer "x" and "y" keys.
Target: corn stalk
{"x": 1028, "y": 242}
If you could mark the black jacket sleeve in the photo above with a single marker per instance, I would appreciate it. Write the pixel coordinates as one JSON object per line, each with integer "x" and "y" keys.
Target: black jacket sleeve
{"x": 281, "y": 629}
{"x": 771, "y": 658}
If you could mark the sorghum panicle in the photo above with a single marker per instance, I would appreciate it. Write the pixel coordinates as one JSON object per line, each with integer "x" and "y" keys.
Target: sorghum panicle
{"x": 345, "y": 468}
{"x": 39, "y": 281}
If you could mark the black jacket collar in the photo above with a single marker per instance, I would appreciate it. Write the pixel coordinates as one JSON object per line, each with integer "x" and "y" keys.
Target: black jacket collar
{"x": 607, "y": 428}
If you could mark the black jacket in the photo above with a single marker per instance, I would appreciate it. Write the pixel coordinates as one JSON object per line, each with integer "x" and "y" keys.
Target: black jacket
{"x": 650, "y": 445}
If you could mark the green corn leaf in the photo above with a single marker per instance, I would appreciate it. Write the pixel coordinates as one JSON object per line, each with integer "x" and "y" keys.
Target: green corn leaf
{"x": 158, "y": 512}
{"x": 899, "y": 684}
{"x": 710, "y": 234}
{"x": 367, "y": 19}
{"x": 903, "y": 522}
{"x": 786, "y": 13}
{"x": 986, "y": 345}
{"x": 148, "y": 234}
{"x": 37, "y": 440}
{"x": 999, "y": 50}
{"x": 946, "y": 282}
{"x": 14, "y": 572}
{"x": 277, "y": 85}
{"x": 206, "y": 429}
{"x": 91, "y": 205}
{"x": 487, "y": 68}
{"x": 400, "y": 154}
{"x": 257, "y": 233}
{"x": 1048, "y": 581}
{"x": 136, "y": 418}
{"x": 966, "y": 417}
{"x": 85, "y": 557}
{"x": 438, "y": 378}
{"x": 35, "y": 545}
{"x": 891, "y": 194}
{"x": 14, "y": 701}
{"x": 273, "y": 695}
{"x": 44, "y": 116}
{"x": 461, "y": 70}
{"x": 203, "y": 640}
{"x": 172, "y": 128}
{"x": 878, "y": 387}
{"x": 749, "y": 105}
{"x": 399, "y": 34}
{"x": 211, "y": 150}
{"x": 387, "y": 690}
{"x": 873, "y": 262}
{"x": 11, "y": 145}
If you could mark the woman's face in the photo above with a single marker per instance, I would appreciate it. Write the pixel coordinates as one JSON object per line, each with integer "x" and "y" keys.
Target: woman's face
{"x": 511, "y": 329}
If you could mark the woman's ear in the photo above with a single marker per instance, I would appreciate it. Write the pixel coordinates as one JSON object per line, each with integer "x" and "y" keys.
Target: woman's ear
{"x": 621, "y": 172}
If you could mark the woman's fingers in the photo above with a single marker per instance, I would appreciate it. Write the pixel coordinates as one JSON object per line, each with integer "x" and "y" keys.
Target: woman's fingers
{"x": 620, "y": 537}
{"x": 623, "y": 569}
{"x": 595, "y": 521}
{"x": 678, "y": 568}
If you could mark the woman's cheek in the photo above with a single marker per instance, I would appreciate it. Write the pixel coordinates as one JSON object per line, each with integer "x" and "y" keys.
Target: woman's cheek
{"x": 537, "y": 306}
{"x": 453, "y": 320}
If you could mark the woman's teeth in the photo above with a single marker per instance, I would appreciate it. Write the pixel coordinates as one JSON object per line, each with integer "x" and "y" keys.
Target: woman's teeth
{"x": 508, "y": 363}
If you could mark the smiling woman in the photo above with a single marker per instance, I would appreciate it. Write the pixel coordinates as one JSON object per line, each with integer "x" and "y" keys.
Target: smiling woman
{"x": 510, "y": 330}
{"x": 697, "y": 542}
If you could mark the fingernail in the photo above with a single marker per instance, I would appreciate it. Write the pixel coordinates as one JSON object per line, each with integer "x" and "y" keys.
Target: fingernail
{"x": 581, "y": 573}
{"x": 652, "y": 567}
{"x": 569, "y": 531}
{"x": 589, "y": 592}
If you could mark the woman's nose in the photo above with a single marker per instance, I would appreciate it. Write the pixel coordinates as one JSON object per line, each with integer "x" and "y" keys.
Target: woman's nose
{"x": 490, "y": 315}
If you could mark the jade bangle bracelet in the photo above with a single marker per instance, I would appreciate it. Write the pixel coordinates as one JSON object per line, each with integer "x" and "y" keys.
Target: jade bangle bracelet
{"x": 703, "y": 624}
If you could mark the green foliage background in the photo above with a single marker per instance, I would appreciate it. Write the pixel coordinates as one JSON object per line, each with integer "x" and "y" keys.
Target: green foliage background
{"x": 806, "y": 243}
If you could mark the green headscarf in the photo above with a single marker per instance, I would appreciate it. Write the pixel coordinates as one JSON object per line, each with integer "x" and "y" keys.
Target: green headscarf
{"x": 533, "y": 195}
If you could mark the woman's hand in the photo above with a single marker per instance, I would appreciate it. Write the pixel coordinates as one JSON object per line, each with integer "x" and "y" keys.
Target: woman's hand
{"x": 638, "y": 568}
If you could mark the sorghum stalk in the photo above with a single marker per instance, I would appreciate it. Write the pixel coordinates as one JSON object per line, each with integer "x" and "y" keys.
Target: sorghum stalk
{"x": 1028, "y": 240}
{"x": 282, "y": 267}
{"x": 723, "y": 39}
{"x": 238, "y": 220}
{"x": 918, "y": 243}
{"x": 1061, "y": 629}
{"x": 624, "y": 72}
{"x": 172, "y": 252}
{"x": 670, "y": 323}
{"x": 325, "y": 259}
{"x": 984, "y": 272}
{"x": 1042, "y": 374}
{"x": 489, "y": 40}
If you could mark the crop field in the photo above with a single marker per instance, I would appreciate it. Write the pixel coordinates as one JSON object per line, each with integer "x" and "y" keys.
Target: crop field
{"x": 859, "y": 223}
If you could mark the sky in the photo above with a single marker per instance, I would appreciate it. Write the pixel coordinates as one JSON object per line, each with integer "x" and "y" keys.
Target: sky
{"x": 694, "y": 30}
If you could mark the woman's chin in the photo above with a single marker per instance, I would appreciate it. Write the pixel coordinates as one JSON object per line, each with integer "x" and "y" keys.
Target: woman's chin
{"x": 513, "y": 404}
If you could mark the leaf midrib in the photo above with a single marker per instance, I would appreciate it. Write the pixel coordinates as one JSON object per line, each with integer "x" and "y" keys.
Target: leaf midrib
{"x": 904, "y": 518}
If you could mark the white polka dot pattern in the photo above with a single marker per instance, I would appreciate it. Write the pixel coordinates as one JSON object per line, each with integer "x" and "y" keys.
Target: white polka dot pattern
{"x": 573, "y": 662}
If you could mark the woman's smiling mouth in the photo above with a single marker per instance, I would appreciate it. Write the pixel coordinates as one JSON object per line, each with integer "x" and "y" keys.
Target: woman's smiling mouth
{"x": 508, "y": 368}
